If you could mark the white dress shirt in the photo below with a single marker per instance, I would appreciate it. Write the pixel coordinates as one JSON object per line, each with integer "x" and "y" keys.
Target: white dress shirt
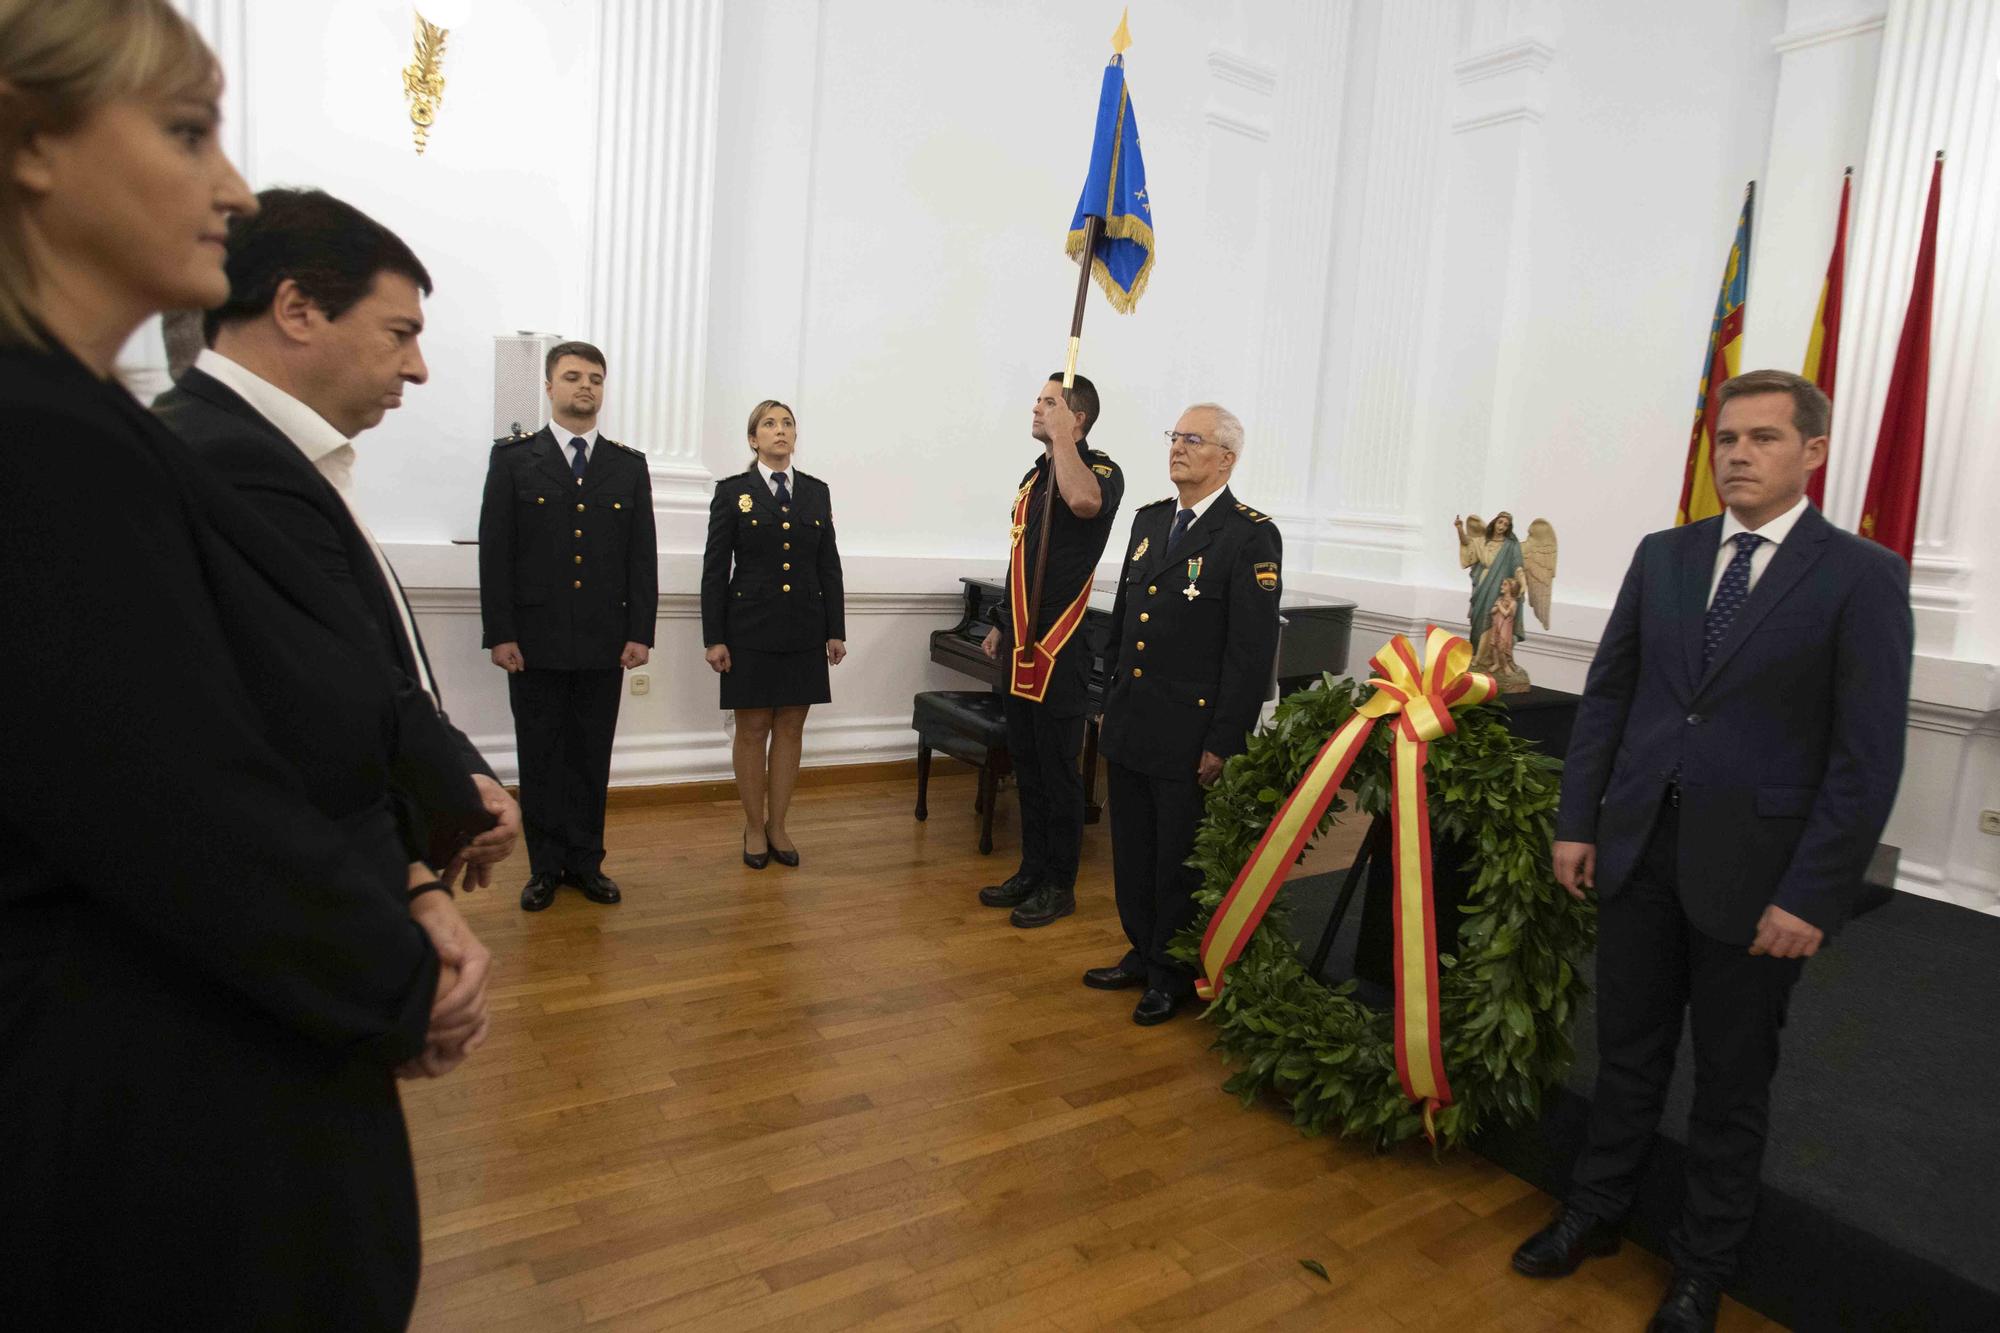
{"x": 566, "y": 437}
{"x": 331, "y": 453}
{"x": 1200, "y": 507}
{"x": 1773, "y": 533}
{"x": 771, "y": 478}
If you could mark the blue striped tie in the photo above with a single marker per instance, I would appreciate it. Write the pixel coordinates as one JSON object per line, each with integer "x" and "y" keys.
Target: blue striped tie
{"x": 1730, "y": 594}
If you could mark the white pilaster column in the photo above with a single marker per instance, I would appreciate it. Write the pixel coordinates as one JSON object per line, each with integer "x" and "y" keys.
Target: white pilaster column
{"x": 1392, "y": 148}
{"x": 652, "y": 211}
{"x": 1938, "y": 88}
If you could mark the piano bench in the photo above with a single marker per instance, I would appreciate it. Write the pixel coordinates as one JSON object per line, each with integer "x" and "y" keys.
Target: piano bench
{"x": 970, "y": 725}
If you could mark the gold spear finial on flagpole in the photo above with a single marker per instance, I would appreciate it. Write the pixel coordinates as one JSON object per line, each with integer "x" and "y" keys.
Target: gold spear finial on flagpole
{"x": 1123, "y": 37}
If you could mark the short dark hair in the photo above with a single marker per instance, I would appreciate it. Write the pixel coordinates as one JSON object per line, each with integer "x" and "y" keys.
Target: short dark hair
{"x": 1079, "y": 397}
{"x": 582, "y": 351}
{"x": 330, "y": 248}
{"x": 1812, "y": 410}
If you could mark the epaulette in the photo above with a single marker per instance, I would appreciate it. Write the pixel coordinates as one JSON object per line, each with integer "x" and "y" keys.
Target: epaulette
{"x": 1252, "y": 514}
{"x": 1156, "y": 504}
{"x": 519, "y": 436}
{"x": 636, "y": 453}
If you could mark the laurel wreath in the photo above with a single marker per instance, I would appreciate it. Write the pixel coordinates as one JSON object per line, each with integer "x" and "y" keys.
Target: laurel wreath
{"x": 1506, "y": 999}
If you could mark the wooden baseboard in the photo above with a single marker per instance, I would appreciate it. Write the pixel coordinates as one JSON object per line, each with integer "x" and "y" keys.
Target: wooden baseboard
{"x": 697, "y": 793}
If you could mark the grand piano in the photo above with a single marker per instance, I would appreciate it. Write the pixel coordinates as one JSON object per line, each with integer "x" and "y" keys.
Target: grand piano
{"x": 1312, "y": 637}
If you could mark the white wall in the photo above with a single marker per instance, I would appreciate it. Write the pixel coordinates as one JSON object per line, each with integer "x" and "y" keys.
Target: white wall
{"x": 1441, "y": 255}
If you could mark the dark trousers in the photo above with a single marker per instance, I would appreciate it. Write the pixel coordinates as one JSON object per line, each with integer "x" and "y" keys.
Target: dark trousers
{"x": 1044, "y": 750}
{"x": 1153, "y": 822}
{"x": 1651, "y": 966}
{"x": 563, "y": 725}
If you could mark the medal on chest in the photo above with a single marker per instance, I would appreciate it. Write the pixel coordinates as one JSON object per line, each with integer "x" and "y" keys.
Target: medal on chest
{"x": 1194, "y": 572}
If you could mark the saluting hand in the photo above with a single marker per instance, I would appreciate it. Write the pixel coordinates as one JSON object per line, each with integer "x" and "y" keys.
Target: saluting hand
{"x": 718, "y": 657}
{"x": 836, "y": 651}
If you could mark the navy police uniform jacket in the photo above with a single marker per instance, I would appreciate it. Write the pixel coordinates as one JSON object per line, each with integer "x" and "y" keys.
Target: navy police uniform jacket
{"x": 770, "y": 576}
{"x": 568, "y": 571}
{"x": 1190, "y": 673}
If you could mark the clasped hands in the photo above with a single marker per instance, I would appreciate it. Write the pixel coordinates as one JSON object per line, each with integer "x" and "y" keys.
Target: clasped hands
{"x": 1780, "y": 934}
{"x": 458, "y": 1014}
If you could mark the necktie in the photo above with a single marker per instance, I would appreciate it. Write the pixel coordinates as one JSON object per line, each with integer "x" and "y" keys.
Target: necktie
{"x": 1181, "y": 525}
{"x": 580, "y": 461}
{"x": 1730, "y": 594}
{"x": 784, "y": 488}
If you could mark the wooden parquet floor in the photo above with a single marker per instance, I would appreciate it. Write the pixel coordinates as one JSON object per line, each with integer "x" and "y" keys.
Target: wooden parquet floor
{"x": 847, "y": 1096}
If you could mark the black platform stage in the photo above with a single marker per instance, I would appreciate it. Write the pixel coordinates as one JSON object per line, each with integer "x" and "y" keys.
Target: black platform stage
{"x": 1881, "y": 1203}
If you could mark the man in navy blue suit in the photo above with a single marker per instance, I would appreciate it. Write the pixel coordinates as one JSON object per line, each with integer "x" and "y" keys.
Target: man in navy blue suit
{"x": 1734, "y": 760}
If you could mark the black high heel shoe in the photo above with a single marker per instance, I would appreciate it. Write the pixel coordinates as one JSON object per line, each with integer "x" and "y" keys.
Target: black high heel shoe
{"x": 790, "y": 858}
{"x": 758, "y": 861}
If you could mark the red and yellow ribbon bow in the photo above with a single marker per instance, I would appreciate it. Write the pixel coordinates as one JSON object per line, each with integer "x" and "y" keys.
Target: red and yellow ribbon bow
{"x": 1421, "y": 696}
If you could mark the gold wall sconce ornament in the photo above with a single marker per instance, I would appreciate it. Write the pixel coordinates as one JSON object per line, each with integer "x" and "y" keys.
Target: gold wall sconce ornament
{"x": 423, "y": 79}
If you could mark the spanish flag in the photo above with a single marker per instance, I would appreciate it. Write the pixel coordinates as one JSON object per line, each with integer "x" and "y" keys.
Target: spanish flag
{"x": 1699, "y": 499}
{"x": 1889, "y": 509}
{"x": 1823, "y": 352}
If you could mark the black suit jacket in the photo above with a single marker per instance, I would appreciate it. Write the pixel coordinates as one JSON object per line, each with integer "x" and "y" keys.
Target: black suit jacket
{"x": 784, "y": 594}
{"x": 207, "y": 969}
{"x": 1788, "y": 749}
{"x": 264, "y": 465}
{"x": 569, "y": 572}
{"x": 1190, "y": 674}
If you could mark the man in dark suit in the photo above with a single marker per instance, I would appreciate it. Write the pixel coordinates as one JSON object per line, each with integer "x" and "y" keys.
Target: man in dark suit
{"x": 1074, "y": 490}
{"x": 569, "y": 593}
{"x": 1194, "y": 633}
{"x": 1734, "y": 760}
{"x": 314, "y": 346}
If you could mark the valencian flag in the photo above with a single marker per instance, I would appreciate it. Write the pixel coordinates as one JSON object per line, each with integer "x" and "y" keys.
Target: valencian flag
{"x": 1889, "y": 510}
{"x": 1699, "y": 499}
{"x": 1115, "y": 190}
{"x": 1823, "y": 352}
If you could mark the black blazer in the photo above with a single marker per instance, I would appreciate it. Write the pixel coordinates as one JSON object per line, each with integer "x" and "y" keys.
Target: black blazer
{"x": 264, "y": 465}
{"x": 1788, "y": 748}
{"x": 207, "y": 968}
{"x": 1190, "y": 674}
{"x": 570, "y": 573}
{"x": 784, "y": 594}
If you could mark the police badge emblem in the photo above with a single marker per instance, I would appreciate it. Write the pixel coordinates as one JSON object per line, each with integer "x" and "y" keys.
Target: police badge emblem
{"x": 743, "y": 503}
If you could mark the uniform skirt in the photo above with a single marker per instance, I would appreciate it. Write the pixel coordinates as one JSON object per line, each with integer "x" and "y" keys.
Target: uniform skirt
{"x": 758, "y": 679}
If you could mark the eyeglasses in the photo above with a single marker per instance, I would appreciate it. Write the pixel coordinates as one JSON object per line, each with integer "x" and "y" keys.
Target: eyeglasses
{"x": 1187, "y": 437}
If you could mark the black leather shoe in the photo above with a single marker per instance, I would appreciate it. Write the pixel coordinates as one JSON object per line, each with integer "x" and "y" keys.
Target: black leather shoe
{"x": 1112, "y": 978}
{"x": 1017, "y": 890}
{"x": 1557, "y": 1249}
{"x": 596, "y": 886}
{"x": 756, "y": 860}
{"x": 1689, "y": 1306}
{"x": 540, "y": 892}
{"x": 1155, "y": 1006}
{"x": 785, "y": 858}
{"x": 1049, "y": 904}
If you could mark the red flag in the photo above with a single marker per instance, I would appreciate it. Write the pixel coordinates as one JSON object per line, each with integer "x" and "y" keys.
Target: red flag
{"x": 1823, "y": 352}
{"x": 1889, "y": 510}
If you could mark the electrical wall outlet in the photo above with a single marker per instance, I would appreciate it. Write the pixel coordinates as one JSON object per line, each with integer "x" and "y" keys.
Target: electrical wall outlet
{"x": 641, "y": 683}
{"x": 1989, "y": 821}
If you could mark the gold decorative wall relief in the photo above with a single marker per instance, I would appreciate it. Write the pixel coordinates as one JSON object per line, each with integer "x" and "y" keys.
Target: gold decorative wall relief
{"x": 423, "y": 79}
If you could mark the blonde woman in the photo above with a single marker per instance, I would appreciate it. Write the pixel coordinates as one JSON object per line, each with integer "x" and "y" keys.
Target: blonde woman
{"x": 774, "y": 618}
{"x": 209, "y": 967}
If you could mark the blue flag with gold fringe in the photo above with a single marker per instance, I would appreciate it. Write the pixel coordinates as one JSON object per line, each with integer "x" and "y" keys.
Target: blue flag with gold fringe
{"x": 1115, "y": 190}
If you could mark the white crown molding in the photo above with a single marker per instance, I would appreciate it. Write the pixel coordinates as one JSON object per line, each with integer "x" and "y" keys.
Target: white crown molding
{"x": 1240, "y": 70}
{"x": 1250, "y": 127}
{"x": 1525, "y": 112}
{"x": 1529, "y": 55}
{"x": 1787, "y": 42}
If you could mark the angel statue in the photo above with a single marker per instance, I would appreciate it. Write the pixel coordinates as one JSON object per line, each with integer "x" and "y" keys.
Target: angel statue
{"x": 1494, "y": 557}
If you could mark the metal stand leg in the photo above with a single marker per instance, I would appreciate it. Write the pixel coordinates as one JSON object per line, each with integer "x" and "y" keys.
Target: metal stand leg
{"x": 923, "y": 781}
{"x": 1372, "y": 845}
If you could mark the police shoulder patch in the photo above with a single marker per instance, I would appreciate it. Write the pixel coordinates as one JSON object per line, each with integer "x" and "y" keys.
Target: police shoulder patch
{"x": 1101, "y": 469}
{"x": 1267, "y": 574}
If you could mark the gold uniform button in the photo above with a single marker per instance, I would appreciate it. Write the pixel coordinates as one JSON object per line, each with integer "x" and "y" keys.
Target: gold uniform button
{"x": 788, "y": 546}
{"x": 1151, "y": 588}
{"x": 1137, "y": 672}
{"x": 784, "y": 509}
{"x": 1145, "y": 616}
{"x": 616, "y": 505}
{"x": 788, "y": 587}
{"x": 753, "y": 522}
{"x": 578, "y": 532}
{"x": 788, "y": 564}
{"x": 1142, "y": 645}
{"x": 786, "y": 526}
{"x": 577, "y": 584}
{"x": 579, "y": 509}
{"x": 541, "y": 499}
{"x": 579, "y": 560}
{"x": 1201, "y": 703}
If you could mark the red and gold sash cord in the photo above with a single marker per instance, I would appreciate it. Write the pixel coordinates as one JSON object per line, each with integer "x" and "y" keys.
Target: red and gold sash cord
{"x": 1421, "y": 697}
{"x": 1034, "y": 662}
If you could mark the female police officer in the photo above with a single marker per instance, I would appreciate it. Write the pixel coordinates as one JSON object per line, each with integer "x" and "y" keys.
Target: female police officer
{"x": 774, "y": 624}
